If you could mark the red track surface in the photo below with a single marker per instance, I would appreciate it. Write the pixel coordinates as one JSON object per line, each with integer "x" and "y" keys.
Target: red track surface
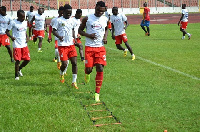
{"x": 160, "y": 18}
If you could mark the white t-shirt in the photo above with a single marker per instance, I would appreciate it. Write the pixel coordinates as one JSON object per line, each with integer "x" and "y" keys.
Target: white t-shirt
{"x": 19, "y": 32}
{"x": 4, "y": 21}
{"x": 95, "y": 25}
{"x": 107, "y": 14}
{"x": 52, "y": 23}
{"x": 185, "y": 17}
{"x": 118, "y": 22}
{"x": 39, "y": 22}
{"x": 30, "y": 15}
{"x": 64, "y": 28}
{"x": 77, "y": 24}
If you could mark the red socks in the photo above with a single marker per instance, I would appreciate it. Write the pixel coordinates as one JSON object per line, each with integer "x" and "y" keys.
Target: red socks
{"x": 99, "y": 80}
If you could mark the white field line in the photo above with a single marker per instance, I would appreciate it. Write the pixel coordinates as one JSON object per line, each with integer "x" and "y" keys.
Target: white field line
{"x": 165, "y": 67}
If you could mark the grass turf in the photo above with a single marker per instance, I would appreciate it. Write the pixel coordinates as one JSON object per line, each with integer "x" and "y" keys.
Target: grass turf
{"x": 157, "y": 91}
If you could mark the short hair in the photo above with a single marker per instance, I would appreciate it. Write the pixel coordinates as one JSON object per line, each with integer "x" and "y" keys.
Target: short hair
{"x": 31, "y": 7}
{"x": 61, "y": 8}
{"x": 78, "y": 11}
{"x": 101, "y": 4}
{"x": 115, "y": 8}
{"x": 145, "y": 4}
{"x": 19, "y": 12}
{"x": 184, "y": 5}
{"x": 3, "y": 8}
{"x": 67, "y": 6}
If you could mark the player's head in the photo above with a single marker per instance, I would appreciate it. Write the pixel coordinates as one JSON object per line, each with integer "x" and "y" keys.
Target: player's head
{"x": 100, "y": 8}
{"x": 21, "y": 15}
{"x": 31, "y": 8}
{"x": 3, "y": 11}
{"x": 40, "y": 11}
{"x": 67, "y": 11}
{"x": 78, "y": 14}
{"x": 183, "y": 6}
{"x": 60, "y": 11}
{"x": 115, "y": 10}
{"x": 145, "y": 4}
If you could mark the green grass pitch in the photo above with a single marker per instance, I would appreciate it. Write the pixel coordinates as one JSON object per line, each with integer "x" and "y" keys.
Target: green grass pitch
{"x": 158, "y": 91}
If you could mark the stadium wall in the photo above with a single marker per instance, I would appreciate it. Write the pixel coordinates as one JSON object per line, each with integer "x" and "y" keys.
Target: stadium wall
{"x": 154, "y": 10}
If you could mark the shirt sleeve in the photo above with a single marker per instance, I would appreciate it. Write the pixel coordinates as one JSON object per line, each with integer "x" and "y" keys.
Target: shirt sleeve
{"x": 111, "y": 19}
{"x": 10, "y": 26}
{"x": 124, "y": 18}
{"x": 55, "y": 24}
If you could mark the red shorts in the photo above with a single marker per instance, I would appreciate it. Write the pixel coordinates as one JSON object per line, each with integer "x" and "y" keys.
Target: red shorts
{"x": 4, "y": 40}
{"x": 38, "y": 33}
{"x": 95, "y": 55}
{"x": 118, "y": 39}
{"x": 78, "y": 41}
{"x": 109, "y": 25}
{"x": 56, "y": 44}
{"x": 67, "y": 52}
{"x": 29, "y": 24}
{"x": 183, "y": 25}
{"x": 21, "y": 53}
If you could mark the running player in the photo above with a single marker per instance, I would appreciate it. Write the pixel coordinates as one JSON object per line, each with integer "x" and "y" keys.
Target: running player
{"x": 63, "y": 29}
{"x": 29, "y": 17}
{"x": 108, "y": 16}
{"x": 118, "y": 20}
{"x": 20, "y": 39}
{"x": 184, "y": 21}
{"x": 96, "y": 36}
{"x": 77, "y": 21}
{"x": 146, "y": 19}
{"x": 57, "y": 58}
{"x": 40, "y": 27}
{"x": 4, "y": 21}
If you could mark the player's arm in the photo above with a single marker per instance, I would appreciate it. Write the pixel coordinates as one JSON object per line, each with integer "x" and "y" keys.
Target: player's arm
{"x": 27, "y": 38}
{"x": 55, "y": 33}
{"x": 113, "y": 30}
{"x": 9, "y": 35}
{"x": 45, "y": 26}
{"x": 126, "y": 25}
{"x": 33, "y": 19}
{"x": 82, "y": 27}
{"x": 180, "y": 19}
{"x": 73, "y": 35}
{"x": 49, "y": 35}
{"x": 106, "y": 34}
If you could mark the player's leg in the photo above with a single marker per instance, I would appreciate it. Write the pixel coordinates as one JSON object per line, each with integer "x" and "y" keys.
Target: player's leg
{"x": 40, "y": 44}
{"x": 80, "y": 46}
{"x": 142, "y": 24}
{"x": 17, "y": 62}
{"x": 148, "y": 31}
{"x": 99, "y": 80}
{"x": 9, "y": 52}
{"x": 89, "y": 62}
{"x": 74, "y": 71}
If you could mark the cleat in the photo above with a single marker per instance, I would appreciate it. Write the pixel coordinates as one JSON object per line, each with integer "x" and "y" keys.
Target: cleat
{"x": 189, "y": 37}
{"x": 133, "y": 57}
{"x": 62, "y": 79}
{"x": 146, "y": 34}
{"x": 58, "y": 65}
{"x": 96, "y": 96}
{"x": 183, "y": 37}
{"x": 125, "y": 52}
{"x": 75, "y": 85}
{"x": 87, "y": 78}
{"x": 16, "y": 78}
{"x": 39, "y": 51}
{"x": 20, "y": 73}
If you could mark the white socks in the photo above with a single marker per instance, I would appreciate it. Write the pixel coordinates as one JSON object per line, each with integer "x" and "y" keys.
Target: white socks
{"x": 74, "y": 77}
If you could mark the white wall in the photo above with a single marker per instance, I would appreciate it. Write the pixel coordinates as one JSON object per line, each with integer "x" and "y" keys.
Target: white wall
{"x": 154, "y": 10}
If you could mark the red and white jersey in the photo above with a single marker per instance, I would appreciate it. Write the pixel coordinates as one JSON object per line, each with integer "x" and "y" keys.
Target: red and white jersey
{"x": 77, "y": 24}
{"x": 30, "y": 15}
{"x": 185, "y": 15}
{"x": 52, "y": 23}
{"x": 19, "y": 32}
{"x": 95, "y": 25}
{"x": 39, "y": 22}
{"x": 4, "y": 21}
{"x": 118, "y": 22}
{"x": 64, "y": 28}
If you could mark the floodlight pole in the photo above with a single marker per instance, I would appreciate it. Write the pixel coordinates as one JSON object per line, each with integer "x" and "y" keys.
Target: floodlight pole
{"x": 78, "y": 4}
{"x": 20, "y": 4}
{"x": 1, "y": 2}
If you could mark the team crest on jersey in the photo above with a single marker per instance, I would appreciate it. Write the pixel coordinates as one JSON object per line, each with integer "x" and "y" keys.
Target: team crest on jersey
{"x": 63, "y": 24}
{"x": 116, "y": 20}
{"x": 96, "y": 26}
{"x": 21, "y": 29}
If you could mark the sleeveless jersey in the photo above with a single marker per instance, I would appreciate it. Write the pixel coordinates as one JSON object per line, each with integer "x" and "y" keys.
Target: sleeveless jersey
{"x": 95, "y": 25}
{"x": 39, "y": 22}
{"x": 64, "y": 28}
{"x": 4, "y": 21}
{"x": 19, "y": 32}
{"x": 118, "y": 22}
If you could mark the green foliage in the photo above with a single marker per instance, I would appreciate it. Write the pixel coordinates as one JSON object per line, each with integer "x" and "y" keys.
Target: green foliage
{"x": 157, "y": 91}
